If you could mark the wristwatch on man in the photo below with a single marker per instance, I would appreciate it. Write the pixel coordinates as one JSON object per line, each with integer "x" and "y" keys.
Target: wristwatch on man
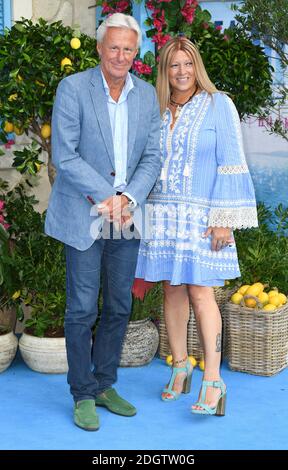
{"x": 131, "y": 203}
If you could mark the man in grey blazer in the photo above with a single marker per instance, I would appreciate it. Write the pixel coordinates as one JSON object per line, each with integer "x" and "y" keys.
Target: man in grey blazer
{"x": 105, "y": 147}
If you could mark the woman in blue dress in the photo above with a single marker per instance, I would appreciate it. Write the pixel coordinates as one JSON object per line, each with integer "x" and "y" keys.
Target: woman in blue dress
{"x": 204, "y": 191}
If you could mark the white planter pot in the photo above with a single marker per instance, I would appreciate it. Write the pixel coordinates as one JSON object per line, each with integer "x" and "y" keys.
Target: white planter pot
{"x": 8, "y": 348}
{"x": 46, "y": 355}
{"x": 140, "y": 343}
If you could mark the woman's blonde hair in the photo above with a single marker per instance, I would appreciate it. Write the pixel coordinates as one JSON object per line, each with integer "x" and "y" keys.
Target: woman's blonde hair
{"x": 166, "y": 56}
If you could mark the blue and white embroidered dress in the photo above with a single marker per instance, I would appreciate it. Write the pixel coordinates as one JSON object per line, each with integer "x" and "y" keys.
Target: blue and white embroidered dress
{"x": 204, "y": 182}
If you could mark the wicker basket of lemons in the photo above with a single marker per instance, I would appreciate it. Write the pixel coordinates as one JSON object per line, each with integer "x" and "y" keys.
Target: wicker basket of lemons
{"x": 257, "y": 325}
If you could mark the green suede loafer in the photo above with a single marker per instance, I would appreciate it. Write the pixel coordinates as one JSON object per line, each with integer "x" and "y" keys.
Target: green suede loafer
{"x": 85, "y": 415}
{"x": 111, "y": 400}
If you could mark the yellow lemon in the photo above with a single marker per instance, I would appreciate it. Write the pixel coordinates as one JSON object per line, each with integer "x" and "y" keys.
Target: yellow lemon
{"x": 39, "y": 83}
{"x": 272, "y": 292}
{"x": 202, "y": 364}
{"x": 75, "y": 43}
{"x": 282, "y": 298}
{"x": 269, "y": 308}
{"x": 46, "y": 131}
{"x": 169, "y": 360}
{"x": 236, "y": 298}
{"x": 66, "y": 63}
{"x": 253, "y": 290}
{"x": 16, "y": 294}
{"x": 263, "y": 298}
{"x": 259, "y": 285}
{"x": 8, "y": 127}
{"x": 18, "y": 130}
{"x": 251, "y": 303}
{"x": 192, "y": 360}
{"x": 13, "y": 97}
{"x": 242, "y": 290}
{"x": 275, "y": 300}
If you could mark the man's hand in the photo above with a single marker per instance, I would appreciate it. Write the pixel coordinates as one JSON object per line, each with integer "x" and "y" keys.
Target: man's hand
{"x": 221, "y": 237}
{"x": 115, "y": 209}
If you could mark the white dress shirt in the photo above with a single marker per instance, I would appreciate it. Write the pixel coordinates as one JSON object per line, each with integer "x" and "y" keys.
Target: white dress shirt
{"x": 118, "y": 114}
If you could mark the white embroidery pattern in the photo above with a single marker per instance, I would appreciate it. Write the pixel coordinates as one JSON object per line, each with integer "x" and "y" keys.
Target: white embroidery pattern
{"x": 232, "y": 169}
{"x": 243, "y": 217}
{"x": 180, "y": 209}
{"x": 188, "y": 119}
{"x": 193, "y": 140}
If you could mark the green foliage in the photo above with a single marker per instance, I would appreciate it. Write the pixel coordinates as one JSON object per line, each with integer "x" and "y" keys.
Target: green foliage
{"x": 30, "y": 70}
{"x": 266, "y": 20}
{"x": 238, "y": 67}
{"x": 35, "y": 264}
{"x": 232, "y": 61}
{"x": 47, "y": 315}
{"x": 26, "y": 160}
{"x": 150, "y": 306}
{"x": 263, "y": 251}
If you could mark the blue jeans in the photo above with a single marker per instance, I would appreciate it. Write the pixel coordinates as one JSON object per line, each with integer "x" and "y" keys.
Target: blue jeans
{"x": 93, "y": 370}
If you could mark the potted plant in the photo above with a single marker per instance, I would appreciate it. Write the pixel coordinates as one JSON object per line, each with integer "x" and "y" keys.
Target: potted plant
{"x": 141, "y": 339}
{"x": 8, "y": 340}
{"x": 38, "y": 266}
{"x": 42, "y": 343}
{"x": 43, "y": 54}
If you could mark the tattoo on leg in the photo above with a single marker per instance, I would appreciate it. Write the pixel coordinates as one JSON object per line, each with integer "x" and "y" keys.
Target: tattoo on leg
{"x": 218, "y": 342}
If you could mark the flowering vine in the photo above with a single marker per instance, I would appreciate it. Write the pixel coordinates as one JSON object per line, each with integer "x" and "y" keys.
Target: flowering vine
{"x": 109, "y": 7}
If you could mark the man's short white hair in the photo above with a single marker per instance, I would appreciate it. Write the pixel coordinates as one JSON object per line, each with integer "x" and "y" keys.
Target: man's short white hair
{"x": 119, "y": 20}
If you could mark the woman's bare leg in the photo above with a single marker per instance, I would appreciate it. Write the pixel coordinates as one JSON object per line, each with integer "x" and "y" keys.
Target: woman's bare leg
{"x": 209, "y": 324}
{"x": 176, "y": 314}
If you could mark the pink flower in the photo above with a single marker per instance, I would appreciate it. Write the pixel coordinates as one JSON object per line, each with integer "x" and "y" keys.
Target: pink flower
{"x": 106, "y": 8}
{"x": 9, "y": 143}
{"x": 6, "y": 226}
{"x": 2, "y": 219}
{"x": 225, "y": 37}
{"x": 219, "y": 27}
{"x": 161, "y": 39}
{"x": 160, "y": 22}
{"x": 150, "y": 5}
{"x": 122, "y": 6}
{"x": 142, "y": 68}
{"x": 205, "y": 25}
{"x": 2, "y": 205}
{"x": 188, "y": 11}
{"x": 156, "y": 12}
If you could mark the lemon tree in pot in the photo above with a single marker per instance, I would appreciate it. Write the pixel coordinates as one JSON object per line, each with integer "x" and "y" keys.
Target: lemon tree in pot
{"x": 8, "y": 341}
{"x": 141, "y": 340}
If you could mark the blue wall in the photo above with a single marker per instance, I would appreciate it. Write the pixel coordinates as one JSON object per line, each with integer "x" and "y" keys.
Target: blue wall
{"x": 5, "y": 14}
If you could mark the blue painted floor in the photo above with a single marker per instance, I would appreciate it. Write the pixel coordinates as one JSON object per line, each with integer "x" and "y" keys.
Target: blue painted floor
{"x": 36, "y": 413}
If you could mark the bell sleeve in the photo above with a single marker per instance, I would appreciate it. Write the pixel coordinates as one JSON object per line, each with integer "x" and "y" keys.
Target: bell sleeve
{"x": 233, "y": 201}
